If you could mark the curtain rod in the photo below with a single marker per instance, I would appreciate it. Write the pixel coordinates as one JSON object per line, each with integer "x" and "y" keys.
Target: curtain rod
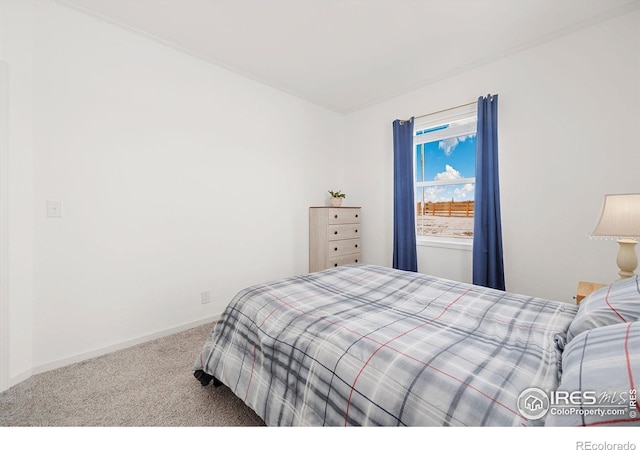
{"x": 442, "y": 110}
{"x": 446, "y": 109}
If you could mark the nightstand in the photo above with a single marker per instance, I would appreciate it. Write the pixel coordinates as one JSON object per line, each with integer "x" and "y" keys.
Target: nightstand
{"x": 585, "y": 288}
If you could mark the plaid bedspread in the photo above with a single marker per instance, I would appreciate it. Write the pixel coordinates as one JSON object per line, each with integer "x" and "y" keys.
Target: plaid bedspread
{"x": 372, "y": 346}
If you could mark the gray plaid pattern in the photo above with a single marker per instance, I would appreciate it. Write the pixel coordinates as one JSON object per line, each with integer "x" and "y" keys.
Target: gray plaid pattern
{"x": 606, "y": 362}
{"x": 373, "y": 346}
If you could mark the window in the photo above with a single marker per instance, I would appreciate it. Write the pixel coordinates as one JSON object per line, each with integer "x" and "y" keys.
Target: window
{"x": 445, "y": 165}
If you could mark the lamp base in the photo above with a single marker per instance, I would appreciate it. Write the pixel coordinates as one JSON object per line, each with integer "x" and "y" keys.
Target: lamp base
{"x": 627, "y": 259}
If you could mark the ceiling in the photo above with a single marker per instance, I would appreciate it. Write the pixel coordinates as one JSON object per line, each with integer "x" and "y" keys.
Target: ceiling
{"x": 349, "y": 54}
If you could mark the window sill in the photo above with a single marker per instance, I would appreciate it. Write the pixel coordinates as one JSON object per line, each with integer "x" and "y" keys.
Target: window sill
{"x": 450, "y": 243}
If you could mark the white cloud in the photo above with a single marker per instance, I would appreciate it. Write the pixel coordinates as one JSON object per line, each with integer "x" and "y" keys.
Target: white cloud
{"x": 448, "y": 145}
{"x": 463, "y": 191}
{"x": 449, "y": 174}
{"x": 431, "y": 194}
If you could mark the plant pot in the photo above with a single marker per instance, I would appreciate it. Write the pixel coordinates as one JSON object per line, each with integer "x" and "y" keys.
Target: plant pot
{"x": 336, "y": 201}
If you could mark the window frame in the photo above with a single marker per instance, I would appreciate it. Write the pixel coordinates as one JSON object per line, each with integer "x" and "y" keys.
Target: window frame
{"x": 459, "y": 121}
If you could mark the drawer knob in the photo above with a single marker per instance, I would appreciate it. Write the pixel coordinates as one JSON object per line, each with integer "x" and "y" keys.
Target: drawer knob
{"x": 356, "y": 260}
{"x": 356, "y": 231}
{"x": 356, "y": 245}
{"x": 335, "y": 249}
{"x": 356, "y": 216}
{"x": 335, "y": 265}
{"x": 335, "y": 217}
{"x": 335, "y": 232}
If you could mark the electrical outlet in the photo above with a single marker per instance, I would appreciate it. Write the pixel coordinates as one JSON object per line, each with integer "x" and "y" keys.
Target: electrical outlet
{"x": 205, "y": 297}
{"x": 54, "y": 208}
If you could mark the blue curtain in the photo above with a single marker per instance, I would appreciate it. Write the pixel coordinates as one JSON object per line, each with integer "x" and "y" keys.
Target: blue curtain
{"x": 488, "y": 265}
{"x": 404, "y": 208}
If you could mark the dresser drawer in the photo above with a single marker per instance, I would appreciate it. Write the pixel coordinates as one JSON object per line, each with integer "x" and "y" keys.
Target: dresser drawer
{"x": 334, "y": 237}
{"x": 344, "y": 215}
{"x": 343, "y": 260}
{"x": 343, "y": 247}
{"x": 346, "y": 231}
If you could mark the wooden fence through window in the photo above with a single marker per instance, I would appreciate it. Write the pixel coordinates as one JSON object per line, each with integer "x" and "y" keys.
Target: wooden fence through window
{"x": 448, "y": 209}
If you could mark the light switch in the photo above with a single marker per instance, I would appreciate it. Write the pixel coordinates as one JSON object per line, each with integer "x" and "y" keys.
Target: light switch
{"x": 54, "y": 208}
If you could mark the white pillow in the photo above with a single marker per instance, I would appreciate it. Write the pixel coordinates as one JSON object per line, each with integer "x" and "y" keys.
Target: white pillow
{"x": 616, "y": 303}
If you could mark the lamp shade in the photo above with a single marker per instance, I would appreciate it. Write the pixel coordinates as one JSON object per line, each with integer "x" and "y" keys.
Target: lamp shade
{"x": 620, "y": 216}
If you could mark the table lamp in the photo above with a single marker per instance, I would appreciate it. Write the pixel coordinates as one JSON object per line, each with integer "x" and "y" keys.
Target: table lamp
{"x": 620, "y": 219}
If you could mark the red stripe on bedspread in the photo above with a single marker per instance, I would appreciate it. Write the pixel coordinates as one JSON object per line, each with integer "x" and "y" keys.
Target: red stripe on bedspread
{"x": 606, "y": 299}
{"x": 253, "y": 365}
{"x": 386, "y": 344}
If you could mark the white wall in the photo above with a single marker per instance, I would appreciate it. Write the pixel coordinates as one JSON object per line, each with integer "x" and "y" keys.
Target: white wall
{"x": 176, "y": 177}
{"x": 15, "y": 50}
{"x": 569, "y": 112}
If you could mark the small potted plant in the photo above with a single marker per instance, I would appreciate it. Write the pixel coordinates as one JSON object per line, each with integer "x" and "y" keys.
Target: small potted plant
{"x": 336, "y": 198}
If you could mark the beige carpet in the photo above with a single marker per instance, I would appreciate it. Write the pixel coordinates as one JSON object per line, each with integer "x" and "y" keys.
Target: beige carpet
{"x": 149, "y": 385}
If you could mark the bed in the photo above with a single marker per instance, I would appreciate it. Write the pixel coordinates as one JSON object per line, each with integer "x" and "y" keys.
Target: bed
{"x": 365, "y": 345}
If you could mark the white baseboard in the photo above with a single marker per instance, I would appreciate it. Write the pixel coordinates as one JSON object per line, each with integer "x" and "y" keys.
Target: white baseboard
{"x": 19, "y": 378}
{"x": 112, "y": 348}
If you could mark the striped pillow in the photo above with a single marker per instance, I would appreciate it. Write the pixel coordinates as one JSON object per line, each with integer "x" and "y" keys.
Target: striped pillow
{"x": 600, "y": 375}
{"x": 616, "y": 303}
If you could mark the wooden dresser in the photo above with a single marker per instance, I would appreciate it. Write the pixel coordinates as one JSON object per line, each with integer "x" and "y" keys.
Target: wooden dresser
{"x": 334, "y": 237}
